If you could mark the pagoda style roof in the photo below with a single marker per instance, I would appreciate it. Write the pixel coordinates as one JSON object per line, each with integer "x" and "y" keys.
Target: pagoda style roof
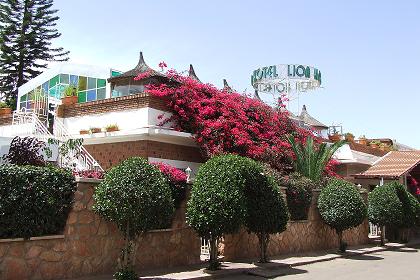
{"x": 308, "y": 119}
{"x": 226, "y": 86}
{"x": 140, "y": 68}
{"x": 192, "y": 75}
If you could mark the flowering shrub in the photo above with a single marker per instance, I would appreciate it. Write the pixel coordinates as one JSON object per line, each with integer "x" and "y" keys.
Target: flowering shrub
{"x": 177, "y": 181}
{"x": 299, "y": 195}
{"x": 228, "y": 122}
{"x": 95, "y": 174}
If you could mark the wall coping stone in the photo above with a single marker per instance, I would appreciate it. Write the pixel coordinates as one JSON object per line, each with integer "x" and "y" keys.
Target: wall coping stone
{"x": 88, "y": 180}
{"x": 46, "y": 237}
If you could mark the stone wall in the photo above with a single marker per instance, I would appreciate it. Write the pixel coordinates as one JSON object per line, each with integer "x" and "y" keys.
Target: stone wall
{"x": 300, "y": 236}
{"x": 110, "y": 154}
{"x": 90, "y": 246}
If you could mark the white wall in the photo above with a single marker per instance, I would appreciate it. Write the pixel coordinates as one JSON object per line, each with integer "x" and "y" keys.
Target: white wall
{"x": 126, "y": 120}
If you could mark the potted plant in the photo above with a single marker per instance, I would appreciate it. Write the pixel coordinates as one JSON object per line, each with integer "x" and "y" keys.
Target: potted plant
{"x": 349, "y": 137}
{"x": 362, "y": 140}
{"x": 5, "y": 109}
{"x": 70, "y": 95}
{"x": 111, "y": 128}
{"x": 84, "y": 131}
{"x": 374, "y": 144}
{"x": 334, "y": 137}
{"x": 95, "y": 130}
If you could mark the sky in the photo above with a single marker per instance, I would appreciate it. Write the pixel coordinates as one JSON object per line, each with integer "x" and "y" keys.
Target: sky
{"x": 368, "y": 51}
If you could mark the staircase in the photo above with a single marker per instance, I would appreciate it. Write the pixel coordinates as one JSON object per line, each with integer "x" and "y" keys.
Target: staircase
{"x": 28, "y": 124}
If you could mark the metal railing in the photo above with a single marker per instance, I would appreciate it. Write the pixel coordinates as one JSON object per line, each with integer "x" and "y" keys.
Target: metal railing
{"x": 27, "y": 123}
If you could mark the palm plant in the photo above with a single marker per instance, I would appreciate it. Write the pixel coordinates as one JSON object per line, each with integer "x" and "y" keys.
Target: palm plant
{"x": 311, "y": 160}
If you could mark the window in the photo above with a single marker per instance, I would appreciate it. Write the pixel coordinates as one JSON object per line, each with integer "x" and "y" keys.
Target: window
{"x": 100, "y": 83}
{"x": 91, "y": 83}
{"x": 81, "y": 97}
{"x": 82, "y": 84}
{"x": 136, "y": 89}
{"x": 54, "y": 81}
{"x": 74, "y": 80}
{"x": 101, "y": 93}
{"x": 64, "y": 79}
{"x": 91, "y": 95}
{"x": 45, "y": 87}
{"x": 122, "y": 90}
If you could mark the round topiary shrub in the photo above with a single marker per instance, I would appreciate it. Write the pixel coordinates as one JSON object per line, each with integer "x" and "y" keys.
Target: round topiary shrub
{"x": 136, "y": 196}
{"x": 299, "y": 195}
{"x": 391, "y": 205}
{"x": 341, "y": 207}
{"x": 217, "y": 204}
{"x": 266, "y": 210}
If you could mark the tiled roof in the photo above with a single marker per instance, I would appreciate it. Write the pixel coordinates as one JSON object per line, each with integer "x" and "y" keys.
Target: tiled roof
{"x": 140, "y": 68}
{"x": 394, "y": 164}
{"x": 308, "y": 119}
{"x": 226, "y": 86}
{"x": 192, "y": 75}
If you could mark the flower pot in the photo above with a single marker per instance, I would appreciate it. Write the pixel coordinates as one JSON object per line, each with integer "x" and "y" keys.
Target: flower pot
{"x": 84, "y": 131}
{"x": 334, "y": 137}
{"x": 349, "y": 138}
{"x": 5, "y": 111}
{"x": 362, "y": 141}
{"x": 112, "y": 129}
{"x": 95, "y": 130}
{"x": 69, "y": 100}
{"x": 374, "y": 146}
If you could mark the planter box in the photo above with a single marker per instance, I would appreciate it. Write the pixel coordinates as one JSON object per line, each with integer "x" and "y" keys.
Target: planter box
{"x": 334, "y": 137}
{"x": 96, "y": 130}
{"x": 69, "y": 100}
{"x": 5, "y": 111}
{"x": 112, "y": 129}
{"x": 84, "y": 132}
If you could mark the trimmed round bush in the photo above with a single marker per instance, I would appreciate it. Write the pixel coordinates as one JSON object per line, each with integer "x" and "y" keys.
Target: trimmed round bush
{"x": 217, "y": 204}
{"x": 34, "y": 201}
{"x": 136, "y": 196}
{"x": 299, "y": 195}
{"x": 266, "y": 209}
{"x": 341, "y": 207}
{"x": 385, "y": 207}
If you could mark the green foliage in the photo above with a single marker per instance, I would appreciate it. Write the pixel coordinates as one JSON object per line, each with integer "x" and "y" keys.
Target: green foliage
{"x": 4, "y": 105}
{"x": 126, "y": 274}
{"x": 393, "y": 206}
{"x": 217, "y": 203}
{"x": 310, "y": 161}
{"x": 70, "y": 91}
{"x": 34, "y": 201}
{"x": 341, "y": 206}
{"x": 27, "y": 30}
{"x": 299, "y": 195}
{"x": 136, "y": 196}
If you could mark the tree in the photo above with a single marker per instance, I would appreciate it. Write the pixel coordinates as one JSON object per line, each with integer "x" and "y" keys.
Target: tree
{"x": 26, "y": 151}
{"x": 341, "y": 207}
{"x": 299, "y": 195}
{"x": 311, "y": 161}
{"x": 27, "y": 31}
{"x": 217, "y": 204}
{"x": 136, "y": 196}
{"x": 393, "y": 207}
{"x": 266, "y": 210}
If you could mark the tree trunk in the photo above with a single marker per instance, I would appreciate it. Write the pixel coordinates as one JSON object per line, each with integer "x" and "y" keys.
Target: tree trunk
{"x": 263, "y": 240}
{"x": 213, "y": 262}
{"x": 340, "y": 241}
{"x": 382, "y": 235}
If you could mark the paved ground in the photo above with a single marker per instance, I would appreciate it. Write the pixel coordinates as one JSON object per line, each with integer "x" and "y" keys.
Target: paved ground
{"x": 387, "y": 265}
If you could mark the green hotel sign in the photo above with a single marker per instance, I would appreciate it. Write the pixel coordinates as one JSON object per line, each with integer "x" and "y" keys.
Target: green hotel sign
{"x": 286, "y": 79}
{"x": 281, "y": 72}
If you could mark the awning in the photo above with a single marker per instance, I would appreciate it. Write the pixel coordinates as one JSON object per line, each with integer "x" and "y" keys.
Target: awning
{"x": 392, "y": 165}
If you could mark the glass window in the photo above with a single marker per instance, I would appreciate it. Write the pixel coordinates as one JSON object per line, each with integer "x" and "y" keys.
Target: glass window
{"x": 23, "y": 97}
{"x": 82, "y": 84}
{"x": 136, "y": 89}
{"x": 115, "y": 73}
{"x": 101, "y": 83}
{"x": 52, "y": 91}
{"x": 81, "y": 96}
{"x": 122, "y": 90}
{"x": 45, "y": 87}
{"x": 74, "y": 80}
{"x": 115, "y": 93}
{"x": 91, "y": 95}
{"x": 101, "y": 93}
{"x": 91, "y": 83}
{"x": 60, "y": 91}
{"x": 54, "y": 81}
{"x": 64, "y": 79}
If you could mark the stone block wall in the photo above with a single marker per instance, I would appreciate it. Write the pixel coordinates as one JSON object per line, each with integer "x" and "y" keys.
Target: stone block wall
{"x": 110, "y": 154}
{"x": 90, "y": 246}
{"x": 300, "y": 236}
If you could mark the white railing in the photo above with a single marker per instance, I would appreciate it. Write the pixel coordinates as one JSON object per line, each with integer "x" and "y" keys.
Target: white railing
{"x": 27, "y": 123}
{"x": 374, "y": 230}
{"x": 205, "y": 249}
{"x": 84, "y": 158}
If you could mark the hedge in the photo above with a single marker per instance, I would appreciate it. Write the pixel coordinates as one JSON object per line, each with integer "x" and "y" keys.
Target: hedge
{"x": 34, "y": 201}
{"x": 299, "y": 195}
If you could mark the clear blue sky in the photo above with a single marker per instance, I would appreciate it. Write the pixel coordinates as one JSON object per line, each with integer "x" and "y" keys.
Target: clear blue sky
{"x": 369, "y": 53}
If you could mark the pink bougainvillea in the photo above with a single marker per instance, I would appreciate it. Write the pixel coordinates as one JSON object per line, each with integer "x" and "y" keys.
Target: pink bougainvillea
{"x": 94, "y": 174}
{"x": 173, "y": 173}
{"x": 228, "y": 122}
